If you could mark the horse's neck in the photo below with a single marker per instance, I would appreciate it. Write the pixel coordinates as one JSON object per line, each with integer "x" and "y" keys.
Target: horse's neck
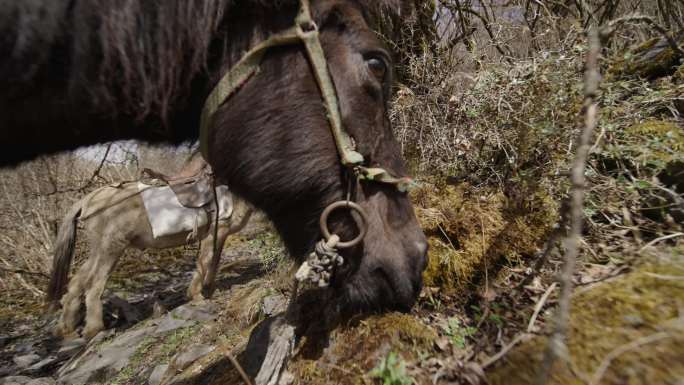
{"x": 246, "y": 26}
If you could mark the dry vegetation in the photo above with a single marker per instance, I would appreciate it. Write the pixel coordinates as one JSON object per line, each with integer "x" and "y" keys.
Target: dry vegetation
{"x": 489, "y": 117}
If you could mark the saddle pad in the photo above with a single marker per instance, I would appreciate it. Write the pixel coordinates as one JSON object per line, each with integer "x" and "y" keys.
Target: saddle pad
{"x": 168, "y": 217}
{"x": 193, "y": 193}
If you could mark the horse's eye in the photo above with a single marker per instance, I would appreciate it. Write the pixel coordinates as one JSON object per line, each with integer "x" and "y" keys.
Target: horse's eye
{"x": 378, "y": 67}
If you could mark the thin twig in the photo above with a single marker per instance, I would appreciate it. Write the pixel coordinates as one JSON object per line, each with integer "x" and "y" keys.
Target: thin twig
{"x": 664, "y": 237}
{"x": 239, "y": 368}
{"x": 608, "y": 30}
{"x": 556, "y": 346}
{"x": 539, "y": 306}
{"x": 22, "y": 271}
{"x": 601, "y": 370}
{"x": 96, "y": 173}
{"x": 627, "y": 218}
{"x": 87, "y": 184}
{"x": 519, "y": 338}
{"x": 665, "y": 277}
{"x": 549, "y": 246}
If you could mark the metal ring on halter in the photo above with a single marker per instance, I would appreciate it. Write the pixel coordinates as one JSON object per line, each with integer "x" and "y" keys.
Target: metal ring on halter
{"x": 361, "y": 221}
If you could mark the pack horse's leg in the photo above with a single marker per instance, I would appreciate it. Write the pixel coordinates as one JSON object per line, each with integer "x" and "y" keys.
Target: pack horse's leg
{"x": 105, "y": 260}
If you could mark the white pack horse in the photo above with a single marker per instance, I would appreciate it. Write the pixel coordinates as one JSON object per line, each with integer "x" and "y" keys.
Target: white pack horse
{"x": 141, "y": 216}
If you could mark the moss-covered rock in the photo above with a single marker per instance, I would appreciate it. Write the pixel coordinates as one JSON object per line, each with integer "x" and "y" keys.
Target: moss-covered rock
{"x": 472, "y": 229}
{"x": 605, "y": 319}
{"x": 356, "y": 349}
{"x": 655, "y": 142}
{"x": 651, "y": 149}
{"x": 678, "y": 75}
{"x": 651, "y": 59}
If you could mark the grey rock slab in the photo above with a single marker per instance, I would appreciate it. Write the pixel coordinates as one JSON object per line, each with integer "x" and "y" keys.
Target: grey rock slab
{"x": 197, "y": 311}
{"x": 71, "y": 347}
{"x": 26, "y": 360}
{"x": 274, "y": 304}
{"x": 183, "y": 359}
{"x": 186, "y": 315}
{"x": 103, "y": 361}
{"x": 157, "y": 374}
{"x": 45, "y": 362}
{"x": 15, "y": 380}
{"x": 42, "y": 363}
{"x": 280, "y": 337}
{"x": 23, "y": 380}
{"x": 42, "y": 381}
{"x": 169, "y": 323}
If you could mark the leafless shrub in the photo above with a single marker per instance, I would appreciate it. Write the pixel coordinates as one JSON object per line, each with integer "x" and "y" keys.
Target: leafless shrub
{"x": 488, "y": 125}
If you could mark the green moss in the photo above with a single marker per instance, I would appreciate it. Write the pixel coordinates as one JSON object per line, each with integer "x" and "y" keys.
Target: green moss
{"x": 472, "y": 229}
{"x": 651, "y": 59}
{"x": 173, "y": 342}
{"x": 356, "y": 349}
{"x": 611, "y": 315}
{"x": 664, "y": 139}
{"x": 648, "y": 147}
{"x": 270, "y": 249}
{"x": 678, "y": 76}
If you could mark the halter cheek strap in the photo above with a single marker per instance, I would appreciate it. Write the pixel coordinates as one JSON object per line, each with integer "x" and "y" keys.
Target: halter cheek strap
{"x": 304, "y": 31}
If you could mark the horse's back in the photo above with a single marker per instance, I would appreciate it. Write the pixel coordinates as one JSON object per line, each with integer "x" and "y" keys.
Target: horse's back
{"x": 114, "y": 196}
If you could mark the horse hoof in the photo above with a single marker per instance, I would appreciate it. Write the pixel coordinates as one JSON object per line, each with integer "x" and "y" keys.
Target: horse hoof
{"x": 199, "y": 298}
{"x": 71, "y": 346}
{"x": 88, "y": 334}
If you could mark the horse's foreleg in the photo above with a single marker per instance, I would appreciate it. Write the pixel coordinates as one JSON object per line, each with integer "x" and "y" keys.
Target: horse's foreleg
{"x": 241, "y": 215}
{"x": 208, "y": 282}
{"x": 105, "y": 262}
{"x": 203, "y": 280}
{"x": 203, "y": 263}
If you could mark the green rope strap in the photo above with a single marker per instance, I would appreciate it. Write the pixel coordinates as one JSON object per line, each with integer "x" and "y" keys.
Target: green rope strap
{"x": 236, "y": 77}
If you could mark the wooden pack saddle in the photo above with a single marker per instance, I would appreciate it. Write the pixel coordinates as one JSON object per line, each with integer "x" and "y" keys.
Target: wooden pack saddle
{"x": 192, "y": 186}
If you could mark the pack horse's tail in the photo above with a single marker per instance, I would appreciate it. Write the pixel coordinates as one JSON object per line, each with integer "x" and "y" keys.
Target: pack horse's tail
{"x": 64, "y": 253}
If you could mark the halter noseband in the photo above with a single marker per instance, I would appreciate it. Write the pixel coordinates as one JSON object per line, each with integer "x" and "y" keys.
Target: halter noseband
{"x": 304, "y": 31}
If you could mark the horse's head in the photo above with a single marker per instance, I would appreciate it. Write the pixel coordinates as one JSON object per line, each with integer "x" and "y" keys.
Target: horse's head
{"x": 271, "y": 141}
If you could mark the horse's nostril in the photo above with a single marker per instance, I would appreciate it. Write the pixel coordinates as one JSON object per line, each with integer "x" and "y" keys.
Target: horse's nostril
{"x": 403, "y": 289}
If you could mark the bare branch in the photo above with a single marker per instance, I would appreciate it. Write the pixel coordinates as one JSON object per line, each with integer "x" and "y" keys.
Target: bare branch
{"x": 556, "y": 347}
{"x": 96, "y": 173}
{"x": 608, "y": 30}
{"x": 86, "y": 185}
{"x": 605, "y": 364}
{"x": 539, "y": 306}
{"x": 519, "y": 338}
{"x": 22, "y": 271}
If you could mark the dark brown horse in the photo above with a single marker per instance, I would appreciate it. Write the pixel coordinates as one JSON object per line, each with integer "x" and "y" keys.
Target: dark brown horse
{"x": 87, "y": 71}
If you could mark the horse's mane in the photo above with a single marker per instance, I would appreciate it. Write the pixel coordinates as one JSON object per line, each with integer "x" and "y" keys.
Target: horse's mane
{"x": 132, "y": 56}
